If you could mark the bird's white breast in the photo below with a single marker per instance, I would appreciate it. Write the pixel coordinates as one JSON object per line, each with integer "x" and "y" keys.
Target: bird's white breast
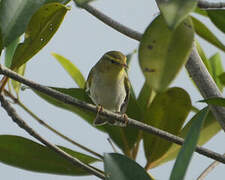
{"x": 108, "y": 92}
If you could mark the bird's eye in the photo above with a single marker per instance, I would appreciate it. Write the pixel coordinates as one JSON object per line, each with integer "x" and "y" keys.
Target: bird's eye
{"x": 112, "y": 61}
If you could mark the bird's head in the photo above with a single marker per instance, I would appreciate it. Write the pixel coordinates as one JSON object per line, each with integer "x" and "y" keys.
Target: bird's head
{"x": 114, "y": 60}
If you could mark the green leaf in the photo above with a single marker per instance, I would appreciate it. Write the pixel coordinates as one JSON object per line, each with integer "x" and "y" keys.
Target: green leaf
{"x": 217, "y": 17}
{"x": 217, "y": 69}
{"x": 175, "y": 11}
{"x": 42, "y": 26}
{"x": 144, "y": 98}
{"x": 76, "y": 93}
{"x": 210, "y": 128}
{"x": 14, "y": 17}
{"x": 222, "y": 78}
{"x": 119, "y": 167}
{"x": 71, "y": 69}
{"x": 163, "y": 52}
{"x": 186, "y": 152}
{"x": 168, "y": 112}
{"x": 206, "y": 34}
{"x": 26, "y": 154}
{"x": 203, "y": 56}
{"x": 215, "y": 101}
{"x": 17, "y": 85}
{"x": 9, "y": 52}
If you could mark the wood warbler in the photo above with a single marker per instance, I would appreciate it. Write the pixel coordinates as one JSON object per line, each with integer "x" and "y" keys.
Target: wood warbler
{"x": 108, "y": 85}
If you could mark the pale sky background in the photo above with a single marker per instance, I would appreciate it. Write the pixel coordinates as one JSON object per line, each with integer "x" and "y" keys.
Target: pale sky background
{"x": 83, "y": 39}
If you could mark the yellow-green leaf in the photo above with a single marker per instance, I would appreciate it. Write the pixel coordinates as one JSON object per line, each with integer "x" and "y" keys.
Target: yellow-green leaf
{"x": 202, "y": 30}
{"x": 168, "y": 112}
{"x": 163, "y": 52}
{"x": 26, "y": 154}
{"x": 217, "y": 69}
{"x": 17, "y": 85}
{"x": 42, "y": 26}
{"x": 71, "y": 69}
{"x": 217, "y": 16}
{"x": 175, "y": 11}
{"x": 210, "y": 128}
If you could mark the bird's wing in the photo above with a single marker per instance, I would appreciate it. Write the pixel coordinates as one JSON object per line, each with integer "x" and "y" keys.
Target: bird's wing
{"x": 126, "y": 100}
{"x": 88, "y": 82}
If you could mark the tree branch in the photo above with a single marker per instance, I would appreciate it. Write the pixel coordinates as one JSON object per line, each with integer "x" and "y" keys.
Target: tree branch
{"x": 19, "y": 103}
{"x": 207, "y": 5}
{"x": 110, "y": 115}
{"x": 195, "y": 67}
{"x": 15, "y": 117}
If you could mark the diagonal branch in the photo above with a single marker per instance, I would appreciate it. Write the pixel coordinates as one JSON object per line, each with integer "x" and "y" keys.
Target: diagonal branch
{"x": 195, "y": 67}
{"x": 207, "y": 5}
{"x": 16, "y": 118}
{"x": 110, "y": 115}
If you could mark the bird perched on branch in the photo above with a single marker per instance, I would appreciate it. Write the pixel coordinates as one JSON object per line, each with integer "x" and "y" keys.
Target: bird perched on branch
{"x": 108, "y": 85}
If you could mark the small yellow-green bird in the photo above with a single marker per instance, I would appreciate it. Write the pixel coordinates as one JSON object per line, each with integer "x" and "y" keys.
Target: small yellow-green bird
{"x": 108, "y": 85}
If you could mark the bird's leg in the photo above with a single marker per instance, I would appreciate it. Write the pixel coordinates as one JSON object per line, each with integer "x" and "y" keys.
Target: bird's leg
{"x": 99, "y": 120}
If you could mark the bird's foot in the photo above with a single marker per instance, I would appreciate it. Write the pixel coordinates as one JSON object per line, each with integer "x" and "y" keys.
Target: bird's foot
{"x": 121, "y": 124}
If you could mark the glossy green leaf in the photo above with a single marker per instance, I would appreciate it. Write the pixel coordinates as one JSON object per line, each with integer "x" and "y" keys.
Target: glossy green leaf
{"x": 163, "y": 52}
{"x": 71, "y": 69}
{"x": 168, "y": 112}
{"x": 26, "y": 154}
{"x": 76, "y": 93}
{"x": 42, "y": 26}
{"x": 210, "y": 128}
{"x": 175, "y": 11}
{"x": 14, "y": 17}
{"x": 217, "y": 69}
{"x": 206, "y": 34}
{"x": 119, "y": 167}
{"x": 144, "y": 98}
{"x": 215, "y": 101}
{"x": 217, "y": 16}
{"x": 17, "y": 85}
{"x": 9, "y": 52}
{"x": 187, "y": 150}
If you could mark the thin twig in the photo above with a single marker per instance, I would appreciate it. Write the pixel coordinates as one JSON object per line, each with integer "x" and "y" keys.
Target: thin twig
{"x": 112, "y": 23}
{"x": 113, "y": 147}
{"x": 17, "y": 119}
{"x": 210, "y": 5}
{"x": 208, "y": 170}
{"x": 106, "y": 113}
{"x": 194, "y": 59}
{"x": 18, "y": 102}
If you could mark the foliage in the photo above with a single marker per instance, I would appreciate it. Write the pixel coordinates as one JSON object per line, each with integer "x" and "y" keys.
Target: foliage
{"x": 162, "y": 52}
